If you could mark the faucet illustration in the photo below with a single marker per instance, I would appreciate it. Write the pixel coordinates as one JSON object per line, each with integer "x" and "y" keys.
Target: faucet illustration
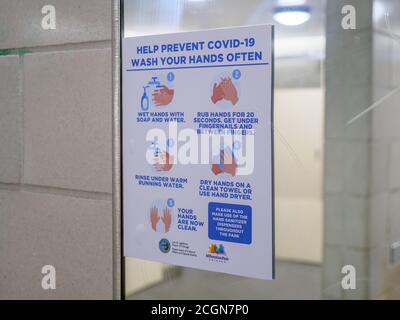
{"x": 155, "y": 81}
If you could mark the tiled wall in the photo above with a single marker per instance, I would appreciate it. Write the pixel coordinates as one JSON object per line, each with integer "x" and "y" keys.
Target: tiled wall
{"x": 385, "y": 192}
{"x": 347, "y": 147}
{"x": 55, "y": 149}
{"x": 362, "y": 168}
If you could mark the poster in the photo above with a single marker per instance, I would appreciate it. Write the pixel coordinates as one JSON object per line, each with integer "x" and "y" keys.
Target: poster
{"x": 197, "y": 113}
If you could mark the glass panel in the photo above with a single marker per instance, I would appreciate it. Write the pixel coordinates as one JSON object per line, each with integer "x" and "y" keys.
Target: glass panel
{"x": 336, "y": 149}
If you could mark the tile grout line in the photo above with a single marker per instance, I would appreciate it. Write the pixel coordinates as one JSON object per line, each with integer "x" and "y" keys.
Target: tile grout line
{"x": 93, "y": 195}
{"x": 22, "y": 116}
{"x": 90, "y": 45}
{"x": 77, "y": 46}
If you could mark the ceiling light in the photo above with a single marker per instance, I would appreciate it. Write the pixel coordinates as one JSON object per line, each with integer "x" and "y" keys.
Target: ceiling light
{"x": 292, "y": 15}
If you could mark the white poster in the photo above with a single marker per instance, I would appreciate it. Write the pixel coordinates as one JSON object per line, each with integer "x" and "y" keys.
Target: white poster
{"x": 198, "y": 149}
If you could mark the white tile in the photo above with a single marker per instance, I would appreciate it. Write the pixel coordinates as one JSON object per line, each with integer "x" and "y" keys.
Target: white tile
{"x": 379, "y": 167}
{"x": 68, "y": 120}
{"x": 386, "y": 118}
{"x": 355, "y": 215}
{"x": 356, "y": 168}
{"x": 10, "y": 121}
{"x": 331, "y": 272}
{"x": 76, "y": 21}
{"x": 394, "y": 217}
{"x": 378, "y": 271}
{"x": 333, "y": 220}
{"x": 383, "y": 65}
{"x": 394, "y": 166}
{"x": 333, "y": 167}
{"x": 72, "y": 234}
{"x": 378, "y": 220}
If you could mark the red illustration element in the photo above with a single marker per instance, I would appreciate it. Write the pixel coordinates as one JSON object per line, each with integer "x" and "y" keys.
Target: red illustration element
{"x": 163, "y": 96}
{"x": 227, "y": 164}
{"x": 225, "y": 90}
{"x": 167, "y": 219}
{"x": 218, "y": 94}
{"x": 164, "y": 162}
{"x": 154, "y": 218}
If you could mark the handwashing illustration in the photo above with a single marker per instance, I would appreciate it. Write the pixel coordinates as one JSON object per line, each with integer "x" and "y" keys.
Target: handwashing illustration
{"x": 156, "y": 94}
{"x": 161, "y": 160}
{"x": 225, "y": 89}
{"x": 225, "y": 164}
{"x": 161, "y": 215}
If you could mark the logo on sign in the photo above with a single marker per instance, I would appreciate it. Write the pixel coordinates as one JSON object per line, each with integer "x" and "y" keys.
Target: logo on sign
{"x": 164, "y": 245}
{"x": 217, "y": 249}
{"x": 217, "y": 253}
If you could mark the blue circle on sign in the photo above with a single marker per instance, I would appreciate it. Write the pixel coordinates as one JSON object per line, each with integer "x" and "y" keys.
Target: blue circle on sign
{"x": 236, "y": 74}
{"x": 237, "y": 145}
{"x": 170, "y": 202}
{"x": 170, "y": 76}
{"x": 164, "y": 245}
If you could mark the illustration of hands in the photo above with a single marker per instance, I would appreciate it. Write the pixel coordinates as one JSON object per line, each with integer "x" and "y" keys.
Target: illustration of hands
{"x": 154, "y": 218}
{"x": 167, "y": 219}
{"x": 225, "y": 90}
{"x": 229, "y": 90}
{"x": 163, "y": 96}
{"x": 218, "y": 93}
{"x": 227, "y": 164}
{"x": 164, "y": 162}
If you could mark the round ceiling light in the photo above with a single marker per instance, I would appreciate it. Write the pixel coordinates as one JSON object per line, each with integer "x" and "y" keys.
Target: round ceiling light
{"x": 292, "y": 15}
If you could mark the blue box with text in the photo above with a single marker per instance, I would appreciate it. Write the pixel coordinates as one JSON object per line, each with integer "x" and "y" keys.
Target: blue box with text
{"x": 229, "y": 222}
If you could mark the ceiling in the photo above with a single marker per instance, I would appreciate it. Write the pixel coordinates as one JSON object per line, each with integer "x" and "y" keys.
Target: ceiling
{"x": 162, "y": 16}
